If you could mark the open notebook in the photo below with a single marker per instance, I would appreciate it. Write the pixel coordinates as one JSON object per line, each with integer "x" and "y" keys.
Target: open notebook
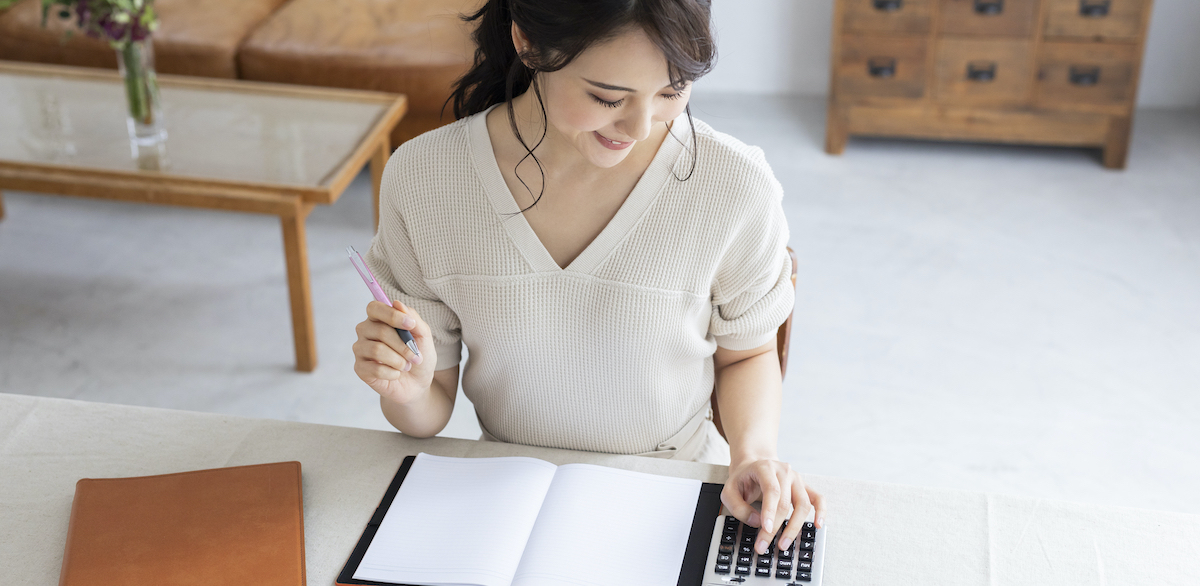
{"x": 525, "y": 522}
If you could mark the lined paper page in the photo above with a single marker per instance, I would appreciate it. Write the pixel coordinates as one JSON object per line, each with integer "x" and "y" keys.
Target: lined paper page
{"x": 458, "y": 521}
{"x": 603, "y": 526}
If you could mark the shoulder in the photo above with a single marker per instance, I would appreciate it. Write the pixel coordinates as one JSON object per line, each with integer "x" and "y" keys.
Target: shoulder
{"x": 729, "y": 179}
{"x": 731, "y": 166}
{"x": 440, "y": 147}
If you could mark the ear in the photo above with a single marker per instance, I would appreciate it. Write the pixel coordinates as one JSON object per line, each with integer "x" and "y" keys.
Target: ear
{"x": 520, "y": 41}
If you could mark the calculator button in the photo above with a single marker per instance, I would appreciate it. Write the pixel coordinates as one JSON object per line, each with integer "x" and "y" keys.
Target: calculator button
{"x": 748, "y": 538}
{"x": 743, "y": 560}
{"x": 725, "y": 548}
{"x": 804, "y": 556}
{"x": 721, "y": 568}
{"x": 784, "y": 564}
{"x": 807, "y": 535}
{"x": 724, "y": 558}
{"x": 744, "y": 549}
{"x": 806, "y": 545}
{"x": 785, "y": 574}
{"x": 761, "y": 571}
{"x": 727, "y": 538}
{"x": 785, "y": 554}
{"x": 804, "y": 566}
{"x": 804, "y": 576}
{"x": 764, "y": 562}
{"x": 742, "y": 570}
{"x": 808, "y": 525}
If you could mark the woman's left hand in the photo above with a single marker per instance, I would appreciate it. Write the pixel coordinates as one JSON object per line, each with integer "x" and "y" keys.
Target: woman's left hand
{"x": 784, "y": 496}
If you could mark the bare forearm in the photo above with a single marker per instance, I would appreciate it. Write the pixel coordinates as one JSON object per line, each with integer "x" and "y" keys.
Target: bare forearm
{"x": 749, "y": 395}
{"x": 423, "y": 417}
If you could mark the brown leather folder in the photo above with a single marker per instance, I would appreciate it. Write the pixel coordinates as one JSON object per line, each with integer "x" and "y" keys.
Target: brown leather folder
{"x": 241, "y": 525}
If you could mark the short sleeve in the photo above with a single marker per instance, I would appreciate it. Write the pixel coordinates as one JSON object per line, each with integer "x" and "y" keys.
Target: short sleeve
{"x": 394, "y": 262}
{"x": 752, "y": 293}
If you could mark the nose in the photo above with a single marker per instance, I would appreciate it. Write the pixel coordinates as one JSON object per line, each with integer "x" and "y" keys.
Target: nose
{"x": 637, "y": 123}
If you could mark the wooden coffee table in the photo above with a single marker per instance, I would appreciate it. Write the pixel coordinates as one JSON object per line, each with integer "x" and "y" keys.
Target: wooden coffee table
{"x": 232, "y": 145}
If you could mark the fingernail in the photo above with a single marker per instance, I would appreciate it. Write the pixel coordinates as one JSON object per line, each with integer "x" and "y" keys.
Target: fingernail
{"x": 409, "y": 322}
{"x": 762, "y": 546}
{"x": 769, "y": 525}
{"x": 407, "y": 366}
{"x": 821, "y": 521}
{"x": 753, "y": 520}
{"x": 786, "y": 543}
{"x": 416, "y": 359}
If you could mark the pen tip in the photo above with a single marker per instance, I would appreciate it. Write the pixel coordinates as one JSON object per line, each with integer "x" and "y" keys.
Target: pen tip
{"x": 412, "y": 345}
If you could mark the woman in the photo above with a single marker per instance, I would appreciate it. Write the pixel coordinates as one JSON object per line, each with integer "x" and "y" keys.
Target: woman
{"x": 605, "y": 257}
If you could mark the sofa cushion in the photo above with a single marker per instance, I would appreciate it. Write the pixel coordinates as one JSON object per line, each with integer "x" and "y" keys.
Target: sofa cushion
{"x": 412, "y": 47}
{"x": 194, "y": 37}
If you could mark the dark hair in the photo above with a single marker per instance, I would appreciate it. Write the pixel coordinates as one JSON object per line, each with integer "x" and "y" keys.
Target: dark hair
{"x": 558, "y": 31}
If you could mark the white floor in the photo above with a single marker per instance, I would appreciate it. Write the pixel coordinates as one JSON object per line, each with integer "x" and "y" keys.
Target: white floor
{"x": 1006, "y": 319}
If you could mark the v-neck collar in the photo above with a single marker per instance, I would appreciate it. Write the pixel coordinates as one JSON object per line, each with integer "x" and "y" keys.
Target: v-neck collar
{"x": 522, "y": 234}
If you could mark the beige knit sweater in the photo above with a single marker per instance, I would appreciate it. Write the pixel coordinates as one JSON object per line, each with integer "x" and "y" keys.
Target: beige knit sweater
{"x": 613, "y": 353}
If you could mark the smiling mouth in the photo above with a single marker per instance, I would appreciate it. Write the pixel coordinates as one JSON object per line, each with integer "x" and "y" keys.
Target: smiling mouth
{"x": 612, "y": 144}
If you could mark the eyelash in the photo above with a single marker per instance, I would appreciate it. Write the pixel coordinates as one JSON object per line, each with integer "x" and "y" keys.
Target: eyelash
{"x": 618, "y": 103}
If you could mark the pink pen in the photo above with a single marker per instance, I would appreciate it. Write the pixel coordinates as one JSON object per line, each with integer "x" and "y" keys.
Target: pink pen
{"x": 369, "y": 278}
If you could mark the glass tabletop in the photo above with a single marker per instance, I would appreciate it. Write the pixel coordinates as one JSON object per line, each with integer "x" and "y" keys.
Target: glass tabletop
{"x": 217, "y": 133}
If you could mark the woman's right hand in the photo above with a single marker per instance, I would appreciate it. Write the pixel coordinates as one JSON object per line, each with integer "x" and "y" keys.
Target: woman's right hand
{"x": 383, "y": 361}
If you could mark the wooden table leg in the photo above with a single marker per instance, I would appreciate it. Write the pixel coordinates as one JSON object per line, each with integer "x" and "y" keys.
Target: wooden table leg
{"x": 378, "y": 161}
{"x": 295, "y": 252}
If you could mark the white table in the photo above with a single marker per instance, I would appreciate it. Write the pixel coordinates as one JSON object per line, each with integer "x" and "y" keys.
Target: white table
{"x": 879, "y": 534}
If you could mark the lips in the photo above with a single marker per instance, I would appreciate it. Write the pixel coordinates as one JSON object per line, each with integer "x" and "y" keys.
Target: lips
{"x": 611, "y": 144}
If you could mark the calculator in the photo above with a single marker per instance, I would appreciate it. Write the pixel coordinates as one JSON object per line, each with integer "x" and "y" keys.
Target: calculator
{"x": 732, "y": 560}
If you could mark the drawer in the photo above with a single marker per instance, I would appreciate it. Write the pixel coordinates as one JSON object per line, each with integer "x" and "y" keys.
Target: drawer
{"x": 1006, "y": 18}
{"x": 1096, "y": 19}
{"x": 984, "y": 71}
{"x": 881, "y": 67}
{"x": 895, "y": 16}
{"x": 1088, "y": 74}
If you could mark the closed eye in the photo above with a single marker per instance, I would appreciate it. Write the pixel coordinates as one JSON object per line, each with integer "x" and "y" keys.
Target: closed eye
{"x": 617, "y": 104}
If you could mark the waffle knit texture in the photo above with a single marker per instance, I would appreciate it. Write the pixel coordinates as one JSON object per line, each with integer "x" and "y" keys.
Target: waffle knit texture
{"x": 613, "y": 353}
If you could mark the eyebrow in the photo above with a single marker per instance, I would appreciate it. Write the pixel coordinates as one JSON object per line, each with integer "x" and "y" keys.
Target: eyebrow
{"x": 610, "y": 86}
{"x": 607, "y": 86}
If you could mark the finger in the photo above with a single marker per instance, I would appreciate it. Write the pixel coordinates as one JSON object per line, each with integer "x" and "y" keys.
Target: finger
{"x": 783, "y": 505}
{"x": 800, "y": 498}
{"x": 380, "y": 353}
{"x": 732, "y": 499}
{"x": 818, "y": 503}
{"x": 770, "y": 503}
{"x": 420, "y": 328}
{"x": 391, "y": 316}
{"x": 386, "y": 334}
{"x": 369, "y": 371}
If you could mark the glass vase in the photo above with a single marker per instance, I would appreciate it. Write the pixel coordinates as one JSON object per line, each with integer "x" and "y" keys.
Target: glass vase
{"x": 146, "y": 131}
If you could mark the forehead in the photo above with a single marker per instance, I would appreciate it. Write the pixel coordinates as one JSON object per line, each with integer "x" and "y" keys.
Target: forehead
{"x": 629, "y": 60}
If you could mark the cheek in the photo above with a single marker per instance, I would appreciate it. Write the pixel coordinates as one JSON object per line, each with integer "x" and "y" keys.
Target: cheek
{"x": 572, "y": 114}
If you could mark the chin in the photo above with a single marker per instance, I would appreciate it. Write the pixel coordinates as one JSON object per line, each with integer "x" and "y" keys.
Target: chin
{"x": 605, "y": 158}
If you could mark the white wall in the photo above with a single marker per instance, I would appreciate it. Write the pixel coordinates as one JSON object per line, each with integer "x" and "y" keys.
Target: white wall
{"x": 782, "y": 47}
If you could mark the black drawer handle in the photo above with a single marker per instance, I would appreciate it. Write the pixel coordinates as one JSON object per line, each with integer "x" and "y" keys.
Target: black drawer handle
{"x": 981, "y": 71}
{"x": 1094, "y": 8}
{"x": 989, "y": 7}
{"x": 1084, "y": 75}
{"x": 882, "y": 67}
{"x": 888, "y": 5}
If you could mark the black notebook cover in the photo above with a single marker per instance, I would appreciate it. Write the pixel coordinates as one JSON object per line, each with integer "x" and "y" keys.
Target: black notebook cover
{"x": 708, "y": 505}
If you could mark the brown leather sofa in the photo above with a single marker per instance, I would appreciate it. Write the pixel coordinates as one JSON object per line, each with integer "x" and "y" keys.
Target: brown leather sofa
{"x": 413, "y": 47}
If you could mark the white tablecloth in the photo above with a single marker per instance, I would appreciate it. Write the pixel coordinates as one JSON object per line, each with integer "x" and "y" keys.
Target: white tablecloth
{"x": 879, "y": 534}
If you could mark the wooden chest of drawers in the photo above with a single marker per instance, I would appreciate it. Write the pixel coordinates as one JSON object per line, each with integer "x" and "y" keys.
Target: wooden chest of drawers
{"x": 1054, "y": 72}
